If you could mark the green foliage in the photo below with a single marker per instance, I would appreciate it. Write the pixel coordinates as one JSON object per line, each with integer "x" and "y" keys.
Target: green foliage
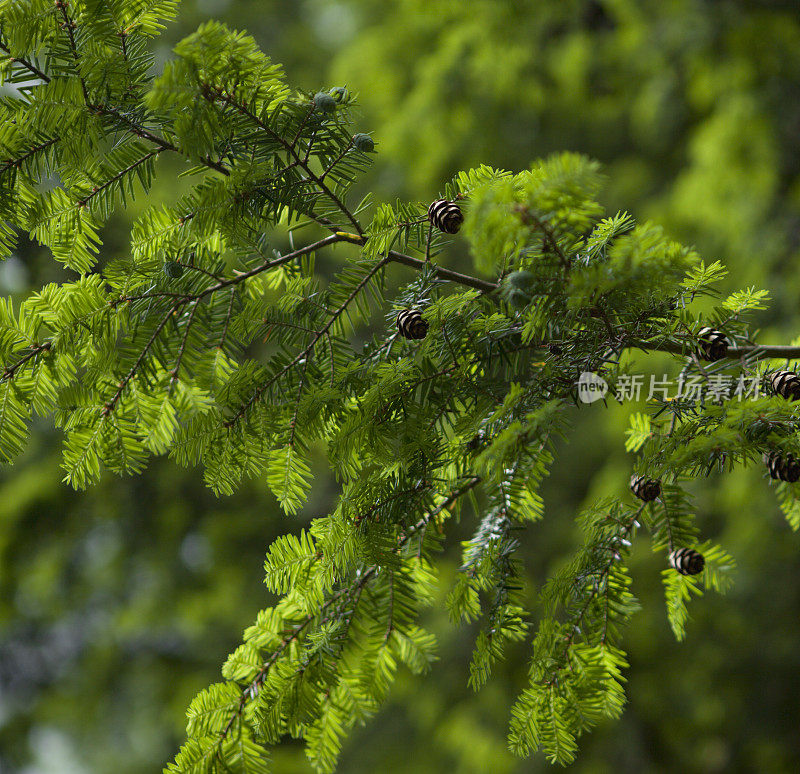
{"x": 208, "y": 345}
{"x": 576, "y": 669}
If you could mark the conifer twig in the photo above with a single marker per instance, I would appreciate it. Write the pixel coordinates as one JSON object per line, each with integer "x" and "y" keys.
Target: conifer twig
{"x": 28, "y": 65}
{"x": 309, "y": 349}
{"x": 95, "y": 191}
{"x": 213, "y": 91}
{"x": 251, "y": 690}
{"x": 35, "y": 349}
{"x": 33, "y": 151}
{"x": 111, "y": 405}
{"x": 70, "y": 25}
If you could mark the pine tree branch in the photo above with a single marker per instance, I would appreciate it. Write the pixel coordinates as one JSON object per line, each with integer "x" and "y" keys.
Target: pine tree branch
{"x": 600, "y": 574}
{"x": 445, "y": 274}
{"x": 137, "y": 129}
{"x": 70, "y": 25}
{"x": 146, "y": 134}
{"x": 251, "y": 690}
{"x": 293, "y": 422}
{"x": 231, "y": 282}
{"x": 182, "y": 349}
{"x": 390, "y": 612}
{"x": 194, "y": 267}
{"x": 333, "y": 163}
{"x": 267, "y": 265}
{"x": 307, "y": 330}
{"x": 300, "y": 128}
{"x": 227, "y": 319}
{"x": 752, "y": 351}
{"x": 414, "y": 490}
{"x": 529, "y": 218}
{"x": 160, "y": 294}
{"x": 218, "y": 93}
{"x": 107, "y": 110}
{"x": 282, "y": 324}
{"x": 310, "y": 348}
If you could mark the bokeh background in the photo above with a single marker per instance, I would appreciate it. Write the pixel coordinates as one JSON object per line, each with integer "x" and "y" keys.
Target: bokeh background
{"x": 117, "y": 605}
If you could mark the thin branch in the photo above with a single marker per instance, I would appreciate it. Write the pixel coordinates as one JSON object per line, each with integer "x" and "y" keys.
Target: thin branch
{"x": 227, "y": 319}
{"x": 758, "y": 351}
{"x": 35, "y": 349}
{"x": 600, "y": 574}
{"x": 28, "y": 65}
{"x": 415, "y": 263}
{"x": 428, "y": 243}
{"x": 148, "y": 295}
{"x": 182, "y": 349}
{"x": 111, "y": 405}
{"x": 143, "y": 160}
{"x": 287, "y": 325}
{"x": 137, "y": 129}
{"x": 300, "y": 128}
{"x": 332, "y": 239}
{"x": 34, "y": 150}
{"x": 445, "y": 274}
{"x": 293, "y": 423}
{"x": 528, "y": 218}
{"x": 336, "y": 160}
{"x": 70, "y": 25}
{"x": 200, "y": 269}
{"x": 390, "y": 616}
{"x": 141, "y": 131}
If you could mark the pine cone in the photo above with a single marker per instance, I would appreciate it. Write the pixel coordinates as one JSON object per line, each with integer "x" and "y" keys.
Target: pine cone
{"x": 446, "y": 216}
{"x": 411, "y": 325}
{"x": 783, "y": 467}
{"x": 786, "y": 384}
{"x": 644, "y": 488}
{"x": 687, "y": 561}
{"x": 711, "y": 344}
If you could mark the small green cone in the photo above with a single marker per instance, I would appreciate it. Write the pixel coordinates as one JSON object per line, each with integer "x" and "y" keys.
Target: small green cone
{"x": 324, "y": 102}
{"x": 173, "y": 269}
{"x": 363, "y": 142}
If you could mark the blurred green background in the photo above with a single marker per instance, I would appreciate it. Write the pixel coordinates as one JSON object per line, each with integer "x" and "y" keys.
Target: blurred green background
{"x": 117, "y": 605}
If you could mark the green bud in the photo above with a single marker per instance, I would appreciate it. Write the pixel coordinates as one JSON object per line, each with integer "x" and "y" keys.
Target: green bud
{"x": 324, "y": 102}
{"x": 364, "y": 143}
{"x": 339, "y": 93}
{"x": 521, "y": 280}
{"x": 173, "y": 269}
{"x": 516, "y": 289}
